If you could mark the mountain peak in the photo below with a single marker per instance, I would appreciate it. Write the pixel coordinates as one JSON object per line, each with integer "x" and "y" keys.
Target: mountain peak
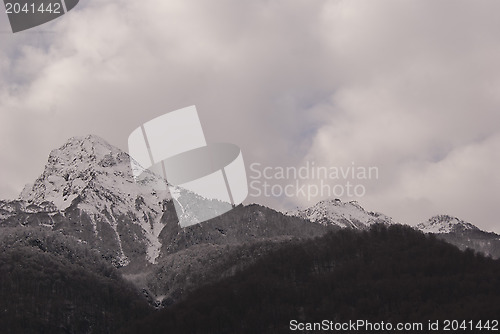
{"x": 91, "y": 138}
{"x": 90, "y": 176}
{"x": 71, "y": 168}
{"x": 343, "y": 214}
{"x": 445, "y": 224}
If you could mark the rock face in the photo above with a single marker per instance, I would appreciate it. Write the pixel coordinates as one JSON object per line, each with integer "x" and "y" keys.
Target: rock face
{"x": 96, "y": 199}
{"x": 205, "y": 252}
{"x": 342, "y": 214}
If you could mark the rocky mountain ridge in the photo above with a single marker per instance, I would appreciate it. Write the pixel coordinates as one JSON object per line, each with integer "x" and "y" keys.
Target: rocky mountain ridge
{"x": 342, "y": 214}
{"x": 462, "y": 234}
{"x": 87, "y": 191}
{"x": 90, "y": 180}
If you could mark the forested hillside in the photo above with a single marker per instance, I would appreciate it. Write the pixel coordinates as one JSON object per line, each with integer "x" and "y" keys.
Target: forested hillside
{"x": 386, "y": 274}
{"x": 51, "y": 284}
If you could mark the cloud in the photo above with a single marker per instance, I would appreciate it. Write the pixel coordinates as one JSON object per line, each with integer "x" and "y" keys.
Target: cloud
{"x": 465, "y": 183}
{"x": 112, "y": 66}
{"x": 420, "y": 102}
{"x": 412, "y": 88}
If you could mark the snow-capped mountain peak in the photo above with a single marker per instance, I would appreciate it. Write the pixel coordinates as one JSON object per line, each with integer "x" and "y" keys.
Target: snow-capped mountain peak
{"x": 90, "y": 175}
{"x": 343, "y": 214}
{"x": 445, "y": 224}
{"x": 70, "y": 169}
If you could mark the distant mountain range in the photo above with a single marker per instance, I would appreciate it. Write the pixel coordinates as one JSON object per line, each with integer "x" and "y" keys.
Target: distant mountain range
{"x": 87, "y": 192}
{"x": 77, "y": 239}
{"x": 458, "y": 232}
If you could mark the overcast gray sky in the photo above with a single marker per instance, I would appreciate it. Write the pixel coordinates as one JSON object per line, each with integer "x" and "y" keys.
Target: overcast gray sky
{"x": 411, "y": 87}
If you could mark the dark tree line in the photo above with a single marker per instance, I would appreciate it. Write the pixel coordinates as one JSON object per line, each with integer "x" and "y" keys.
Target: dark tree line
{"x": 385, "y": 274}
{"x": 51, "y": 284}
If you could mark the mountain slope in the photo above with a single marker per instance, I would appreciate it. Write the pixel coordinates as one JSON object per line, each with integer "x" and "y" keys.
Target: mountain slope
{"x": 49, "y": 283}
{"x": 244, "y": 224}
{"x": 91, "y": 184}
{"x": 204, "y": 253}
{"x": 391, "y": 274}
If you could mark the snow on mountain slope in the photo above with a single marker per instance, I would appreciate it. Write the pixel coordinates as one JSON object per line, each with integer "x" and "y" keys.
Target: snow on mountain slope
{"x": 90, "y": 175}
{"x": 342, "y": 214}
{"x": 10, "y": 209}
{"x": 445, "y": 224}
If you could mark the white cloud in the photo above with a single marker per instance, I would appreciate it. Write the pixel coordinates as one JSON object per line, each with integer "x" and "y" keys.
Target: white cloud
{"x": 411, "y": 87}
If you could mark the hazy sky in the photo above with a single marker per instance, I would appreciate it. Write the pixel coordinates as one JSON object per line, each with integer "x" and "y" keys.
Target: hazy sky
{"x": 410, "y": 87}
